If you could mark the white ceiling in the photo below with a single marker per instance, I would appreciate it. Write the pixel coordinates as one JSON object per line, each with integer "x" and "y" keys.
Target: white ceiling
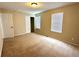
{"x": 21, "y": 6}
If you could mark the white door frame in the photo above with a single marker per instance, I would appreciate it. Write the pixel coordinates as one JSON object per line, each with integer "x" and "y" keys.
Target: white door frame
{"x": 1, "y": 34}
{"x": 27, "y": 24}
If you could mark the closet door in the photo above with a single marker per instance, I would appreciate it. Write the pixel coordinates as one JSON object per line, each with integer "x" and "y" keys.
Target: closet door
{"x": 8, "y": 28}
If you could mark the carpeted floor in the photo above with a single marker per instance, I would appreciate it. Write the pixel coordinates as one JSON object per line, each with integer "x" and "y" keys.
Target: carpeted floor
{"x": 34, "y": 45}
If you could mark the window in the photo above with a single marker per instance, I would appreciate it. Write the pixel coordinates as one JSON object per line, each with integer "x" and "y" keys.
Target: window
{"x": 56, "y": 22}
{"x": 37, "y": 22}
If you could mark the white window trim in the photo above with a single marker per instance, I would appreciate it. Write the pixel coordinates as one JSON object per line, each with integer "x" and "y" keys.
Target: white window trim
{"x": 55, "y": 23}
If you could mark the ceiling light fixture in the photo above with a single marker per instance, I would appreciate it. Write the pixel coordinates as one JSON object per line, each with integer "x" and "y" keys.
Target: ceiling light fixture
{"x": 34, "y": 4}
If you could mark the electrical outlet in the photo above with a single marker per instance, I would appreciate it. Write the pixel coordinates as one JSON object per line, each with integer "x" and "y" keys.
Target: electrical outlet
{"x": 72, "y": 38}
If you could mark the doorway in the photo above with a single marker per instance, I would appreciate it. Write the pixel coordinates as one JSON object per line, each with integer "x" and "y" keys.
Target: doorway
{"x": 32, "y": 24}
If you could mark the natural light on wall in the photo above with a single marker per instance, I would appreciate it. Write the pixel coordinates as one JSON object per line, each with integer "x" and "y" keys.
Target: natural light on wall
{"x": 37, "y": 22}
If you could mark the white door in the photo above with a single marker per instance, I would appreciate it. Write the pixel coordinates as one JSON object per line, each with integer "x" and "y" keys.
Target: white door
{"x": 8, "y": 29}
{"x": 27, "y": 23}
{"x": 1, "y": 35}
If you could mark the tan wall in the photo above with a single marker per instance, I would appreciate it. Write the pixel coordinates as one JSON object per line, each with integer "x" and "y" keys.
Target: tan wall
{"x": 70, "y": 24}
{"x": 19, "y": 23}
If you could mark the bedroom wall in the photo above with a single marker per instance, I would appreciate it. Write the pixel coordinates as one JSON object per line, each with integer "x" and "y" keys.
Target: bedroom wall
{"x": 70, "y": 32}
{"x": 19, "y": 23}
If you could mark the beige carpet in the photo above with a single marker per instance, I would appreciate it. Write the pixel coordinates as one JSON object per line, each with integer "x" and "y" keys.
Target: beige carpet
{"x": 37, "y": 45}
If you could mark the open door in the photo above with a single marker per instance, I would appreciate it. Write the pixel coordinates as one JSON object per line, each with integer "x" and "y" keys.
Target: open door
{"x": 32, "y": 24}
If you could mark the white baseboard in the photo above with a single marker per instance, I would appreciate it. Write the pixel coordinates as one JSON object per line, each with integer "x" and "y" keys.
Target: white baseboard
{"x": 15, "y": 35}
{"x": 20, "y": 34}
